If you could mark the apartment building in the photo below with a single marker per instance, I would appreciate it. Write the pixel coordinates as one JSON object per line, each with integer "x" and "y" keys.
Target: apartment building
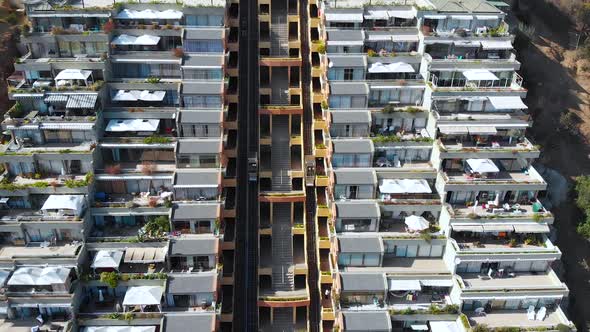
{"x": 119, "y": 164}
{"x": 432, "y": 217}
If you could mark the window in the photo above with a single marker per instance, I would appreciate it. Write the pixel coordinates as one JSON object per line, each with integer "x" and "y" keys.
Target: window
{"x": 348, "y": 74}
{"x": 203, "y": 46}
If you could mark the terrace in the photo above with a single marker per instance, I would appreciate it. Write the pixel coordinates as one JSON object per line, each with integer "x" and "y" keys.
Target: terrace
{"x": 475, "y": 79}
{"x": 489, "y": 242}
{"x": 505, "y": 177}
{"x": 403, "y": 265}
{"x": 512, "y": 281}
{"x": 518, "y": 318}
{"x": 487, "y": 144}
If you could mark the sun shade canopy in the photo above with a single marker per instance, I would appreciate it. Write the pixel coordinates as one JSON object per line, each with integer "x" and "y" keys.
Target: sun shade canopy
{"x": 145, "y": 255}
{"x": 404, "y": 285}
{"x": 506, "y": 103}
{"x": 119, "y": 329}
{"x": 496, "y": 44}
{"x": 482, "y": 166}
{"x": 147, "y": 40}
{"x": 73, "y": 74}
{"x": 479, "y": 75}
{"x": 37, "y": 276}
{"x": 398, "y": 67}
{"x": 132, "y": 125}
{"x": 143, "y": 295}
{"x": 444, "y": 326}
{"x": 107, "y": 259}
{"x": 416, "y": 223}
{"x": 64, "y": 202}
{"x": 82, "y": 101}
{"x": 404, "y": 186}
{"x": 149, "y": 14}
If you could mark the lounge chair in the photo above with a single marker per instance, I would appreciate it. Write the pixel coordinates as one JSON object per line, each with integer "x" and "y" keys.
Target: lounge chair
{"x": 541, "y": 313}
{"x": 530, "y": 313}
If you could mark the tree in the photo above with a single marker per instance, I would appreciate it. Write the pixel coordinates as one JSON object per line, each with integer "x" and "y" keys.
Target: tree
{"x": 110, "y": 278}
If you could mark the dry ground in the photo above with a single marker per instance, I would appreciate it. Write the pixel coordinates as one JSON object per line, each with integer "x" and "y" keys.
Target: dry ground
{"x": 558, "y": 81}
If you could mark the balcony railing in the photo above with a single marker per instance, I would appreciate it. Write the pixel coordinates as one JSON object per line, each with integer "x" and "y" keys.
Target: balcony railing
{"x": 465, "y": 84}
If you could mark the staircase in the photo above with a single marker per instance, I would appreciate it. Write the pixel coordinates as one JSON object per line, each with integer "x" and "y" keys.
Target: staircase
{"x": 280, "y": 153}
{"x": 283, "y": 320}
{"x": 282, "y": 248}
{"x": 279, "y": 33}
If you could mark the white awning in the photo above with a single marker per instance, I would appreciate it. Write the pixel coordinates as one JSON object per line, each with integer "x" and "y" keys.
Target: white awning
{"x": 65, "y": 202}
{"x": 107, "y": 259}
{"x": 344, "y": 17}
{"x": 462, "y": 17}
{"x": 405, "y": 38}
{"x": 127, "y": 95}
{"x": 133, "y": 125}
{"x": 453, "y": 130}
{"x": 402, "y": 13}
{"x": 531, "y": 228}
{"x": 82, "y": 101}
{"x": 38, "y": 276}
{"x": 487, "y": 17}
{"x": 435, "y": 17}
{"x": 73, "y": 74}
{"x": 404, "y": 285}
{"x": 143, "y": 295}
{"x": 437, "y": 282}
{"x": 467, "y": 228}
{"x": 144, "y": 255}
{"x": 444, "y": 326}
{"x": 378, "y": 36}
{"x": 376, "y": 14}
{"x": 496, "y": 44}
{"x": 146, "y": 95}
{"x": 505, "y": 103}
{"x": 345, "y": 42}
{"x": 149, "y": 40}
{"x": 124, "y": 40}
{"x": 467, "y": 43}
{"x": 404, "y": 186}
{"x": 397, "y": 67}
{"x": 479, "y": 75}
{"x": 419, "y": 327}
{"x": 498, "y": 228}
{"x": 438, "y": 41}
{"x": 482, "y": 166}
{"x": 149, "y": 14}
{"x": 482, "y": 130}
{"x": 119, "y": 329}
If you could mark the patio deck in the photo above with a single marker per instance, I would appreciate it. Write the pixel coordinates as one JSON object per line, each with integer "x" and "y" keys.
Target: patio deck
{"x": 515, "y": 318}
{"x": 520, "y": 281}
{"x": 403, "y": 265}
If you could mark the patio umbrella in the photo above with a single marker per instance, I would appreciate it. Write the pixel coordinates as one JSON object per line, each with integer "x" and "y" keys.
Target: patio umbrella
{"x": 416, "y": 223}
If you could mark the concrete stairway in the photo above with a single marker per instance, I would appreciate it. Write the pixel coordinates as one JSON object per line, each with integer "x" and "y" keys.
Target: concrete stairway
{"x": 279, "y": 33}
{"x": 283, "y": 320}
{"x": 280, "y": 154}
{"x": 282, "y": 248}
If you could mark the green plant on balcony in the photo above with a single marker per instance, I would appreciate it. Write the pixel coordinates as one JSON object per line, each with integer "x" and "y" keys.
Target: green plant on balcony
{"x": 465, "y": 321}
{"x": 110, "y": 278}
{"x": 321, "y": 47}
{"x": 153, "y": 79}
{"x": 156, "y": 140}
{"x": 324, "y": 105}
{"x": 513, "y": 243}
{"x": 538, "y": 217}
{"x": 371, "y": 53}
{"x": 40, "y": 184}
{"x": 426, "y": 236}
{"x": 157, "y": 226}
{"x": 16, "y": 111}
{"x": 386, "y": 139}
{"x": 481, "y": 328}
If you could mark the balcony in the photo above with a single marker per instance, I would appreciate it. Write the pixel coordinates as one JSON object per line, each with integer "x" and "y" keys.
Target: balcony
{"x": 488, "y": 147}
{"x": 465, "y": 84}
{"x": 523, "y": 243}
{"x": 518, "y": 318}
{"x": 403, "y": 265}
{"x": 524, "y": 210}
{"x": 15, "y": 216}
{"x": 500, "y": 178}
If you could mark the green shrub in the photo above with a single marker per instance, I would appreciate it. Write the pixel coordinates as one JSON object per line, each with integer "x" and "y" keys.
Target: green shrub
{"x": 110, "y": 278}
